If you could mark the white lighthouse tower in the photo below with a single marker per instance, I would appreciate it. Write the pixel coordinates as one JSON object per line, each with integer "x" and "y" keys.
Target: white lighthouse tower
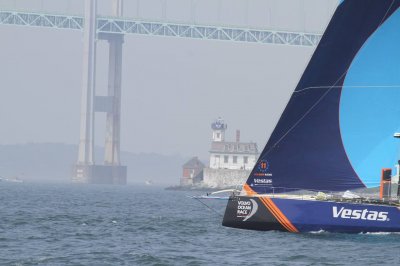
{"x": 218, "y": 130}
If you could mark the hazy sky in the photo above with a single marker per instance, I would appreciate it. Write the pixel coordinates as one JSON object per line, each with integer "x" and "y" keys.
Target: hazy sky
{"x": 172, "y": 88}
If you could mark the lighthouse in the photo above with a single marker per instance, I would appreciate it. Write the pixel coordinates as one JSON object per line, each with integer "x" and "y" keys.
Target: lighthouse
{"x": 218, "y": 130}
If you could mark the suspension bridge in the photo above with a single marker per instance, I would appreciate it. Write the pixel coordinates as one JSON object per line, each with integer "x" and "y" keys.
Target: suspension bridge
{"x": 113, "y": 29}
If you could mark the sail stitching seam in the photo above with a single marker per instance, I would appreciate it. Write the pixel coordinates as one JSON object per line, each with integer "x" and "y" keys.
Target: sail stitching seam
{"x": 355, "y": 87}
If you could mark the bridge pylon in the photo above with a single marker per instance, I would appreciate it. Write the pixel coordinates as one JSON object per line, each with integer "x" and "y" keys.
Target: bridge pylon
{"x": 86, "y": 170}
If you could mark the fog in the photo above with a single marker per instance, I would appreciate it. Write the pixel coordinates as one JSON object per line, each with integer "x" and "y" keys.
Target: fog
{"x": 173, "y": 88}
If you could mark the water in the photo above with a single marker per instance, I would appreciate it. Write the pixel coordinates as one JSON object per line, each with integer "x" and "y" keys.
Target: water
{"x": 43, "y": 224}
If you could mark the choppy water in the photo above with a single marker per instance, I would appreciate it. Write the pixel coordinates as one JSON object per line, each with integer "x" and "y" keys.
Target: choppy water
{"x": 115, "y": 225}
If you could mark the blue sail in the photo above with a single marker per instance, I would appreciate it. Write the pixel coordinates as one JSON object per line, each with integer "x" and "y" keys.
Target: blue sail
{"x": 322, "y": 140}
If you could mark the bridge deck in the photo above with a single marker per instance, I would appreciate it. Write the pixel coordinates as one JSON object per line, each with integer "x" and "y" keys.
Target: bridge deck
{"x": 129, "y": 26}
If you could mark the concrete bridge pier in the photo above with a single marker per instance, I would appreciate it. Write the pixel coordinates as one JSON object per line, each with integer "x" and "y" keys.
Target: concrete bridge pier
{"x": 113, "y": 114}
{"x": 86, "y": 170}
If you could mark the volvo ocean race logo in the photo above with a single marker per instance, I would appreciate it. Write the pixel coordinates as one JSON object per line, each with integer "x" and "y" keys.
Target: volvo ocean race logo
{"x": 246, "y": 209}
{"x": 359, "y": 214}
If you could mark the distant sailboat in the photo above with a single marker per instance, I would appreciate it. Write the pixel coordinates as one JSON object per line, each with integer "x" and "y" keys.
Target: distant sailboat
{"x": 335, "y": 135}
{"x": 149, "y": 182}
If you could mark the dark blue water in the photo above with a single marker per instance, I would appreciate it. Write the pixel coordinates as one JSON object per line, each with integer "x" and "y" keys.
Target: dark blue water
{"x": 43, "y": 224}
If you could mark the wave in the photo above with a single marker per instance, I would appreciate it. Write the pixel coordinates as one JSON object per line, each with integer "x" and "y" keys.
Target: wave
{"x": 380, "y": 233}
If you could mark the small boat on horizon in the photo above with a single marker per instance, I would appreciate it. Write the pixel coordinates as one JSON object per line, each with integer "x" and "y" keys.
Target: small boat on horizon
{"x": 14, "y": 179}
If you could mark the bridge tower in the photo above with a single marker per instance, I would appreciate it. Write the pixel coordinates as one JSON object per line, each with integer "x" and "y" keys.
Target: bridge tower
{"x": 86, "y": 170}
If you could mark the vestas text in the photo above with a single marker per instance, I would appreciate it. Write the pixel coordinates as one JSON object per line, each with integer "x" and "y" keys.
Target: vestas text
{"x": 359, "y": 214}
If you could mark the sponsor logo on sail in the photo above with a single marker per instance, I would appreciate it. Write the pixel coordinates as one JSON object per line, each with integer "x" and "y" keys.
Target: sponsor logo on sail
{"x": 263, "y": 166}
{"x": 364, "y": 214}
{"x": 263, "y": 181}
{"x": 263, "y": 171}
{"x": 246, "y": 209}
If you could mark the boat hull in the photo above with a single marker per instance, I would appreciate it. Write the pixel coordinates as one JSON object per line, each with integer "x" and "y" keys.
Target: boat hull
{"x": 295, "y": 215}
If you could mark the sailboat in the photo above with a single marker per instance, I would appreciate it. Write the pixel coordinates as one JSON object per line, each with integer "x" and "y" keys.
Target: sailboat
{"x": 335, "y": 137}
